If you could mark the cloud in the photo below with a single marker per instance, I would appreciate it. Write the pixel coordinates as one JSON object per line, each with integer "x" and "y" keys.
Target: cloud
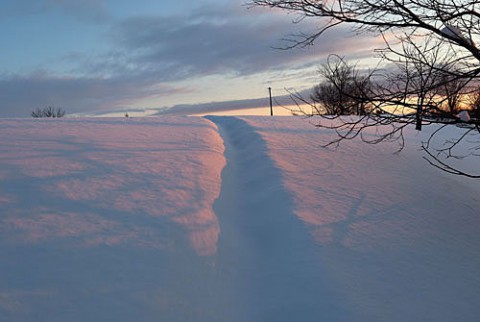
{"x": 212, "y": 107}
{"x": 147, "y": 54}
{"x": 224, "y": 40}
{"x": 203, "y": 108}
{"x": 92, "y": 10}
{"x": 21, "y": 94}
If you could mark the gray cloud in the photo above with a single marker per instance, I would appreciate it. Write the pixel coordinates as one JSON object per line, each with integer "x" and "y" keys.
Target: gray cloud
{"x": 92, "y": 10}
{"x": 205, "y": 108}
{"x": 211, "y": 107}
{"x": 21, "y": 94}
{"x": 148, "y": 53}
{"x": 221, "y": 42}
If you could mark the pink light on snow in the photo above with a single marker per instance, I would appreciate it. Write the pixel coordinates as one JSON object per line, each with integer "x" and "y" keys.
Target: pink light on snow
{"x": 349, "y": 196}
{"x": 164, "y": 170}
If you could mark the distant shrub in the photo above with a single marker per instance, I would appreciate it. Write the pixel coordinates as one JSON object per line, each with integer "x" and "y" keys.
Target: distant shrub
{"x": 48, "y": 111}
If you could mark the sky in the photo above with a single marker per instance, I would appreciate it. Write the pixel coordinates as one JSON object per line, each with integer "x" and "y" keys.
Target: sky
{"x": 98, "y": 57}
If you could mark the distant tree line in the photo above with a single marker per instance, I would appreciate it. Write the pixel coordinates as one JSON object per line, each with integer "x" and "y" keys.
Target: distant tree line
{"x": 345, "y": 91}
{"x": 48, "y": 111}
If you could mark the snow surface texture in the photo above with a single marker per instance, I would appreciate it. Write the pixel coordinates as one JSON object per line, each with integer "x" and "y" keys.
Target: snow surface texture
{"x": 228, "y": 219}
{"x": 399, "y": 238}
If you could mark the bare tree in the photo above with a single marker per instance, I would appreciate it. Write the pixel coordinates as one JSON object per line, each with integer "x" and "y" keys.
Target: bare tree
{"x": 429, "y": 57}
{"x": 48, "y": 111}
{"x": 343, "y": 91}
{"x": 473, "y": 102}
{"x": 454, "y": 91}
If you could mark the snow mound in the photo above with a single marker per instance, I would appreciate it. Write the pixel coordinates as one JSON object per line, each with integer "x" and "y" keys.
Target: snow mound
{"x": 101, "y": 217}
{"x": 399, "y": 238}
{"x": 228, "y": 219}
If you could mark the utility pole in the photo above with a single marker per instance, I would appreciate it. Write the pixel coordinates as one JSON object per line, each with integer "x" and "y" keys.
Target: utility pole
{"x": 271, "y": 103}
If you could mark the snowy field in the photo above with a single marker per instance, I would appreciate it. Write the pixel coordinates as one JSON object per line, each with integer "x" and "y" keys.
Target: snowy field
{"x": 228, "y": 219}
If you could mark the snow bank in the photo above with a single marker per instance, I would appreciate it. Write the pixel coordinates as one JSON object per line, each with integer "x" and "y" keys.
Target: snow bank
{"x": 98, "y": 214}
{"x": 228, "y": 219}
{"x": 166, "y": 170}
{"x": 399, "y": 238}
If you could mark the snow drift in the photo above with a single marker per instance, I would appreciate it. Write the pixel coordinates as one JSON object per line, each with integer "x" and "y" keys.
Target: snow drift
{"x": 228, "y": 219}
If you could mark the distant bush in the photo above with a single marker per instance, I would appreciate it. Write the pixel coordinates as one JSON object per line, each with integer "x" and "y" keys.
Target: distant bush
{"x": 48, "y": 111}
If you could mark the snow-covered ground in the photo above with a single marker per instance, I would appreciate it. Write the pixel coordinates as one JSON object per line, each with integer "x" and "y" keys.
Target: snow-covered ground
{"x": 228, "y": 219}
